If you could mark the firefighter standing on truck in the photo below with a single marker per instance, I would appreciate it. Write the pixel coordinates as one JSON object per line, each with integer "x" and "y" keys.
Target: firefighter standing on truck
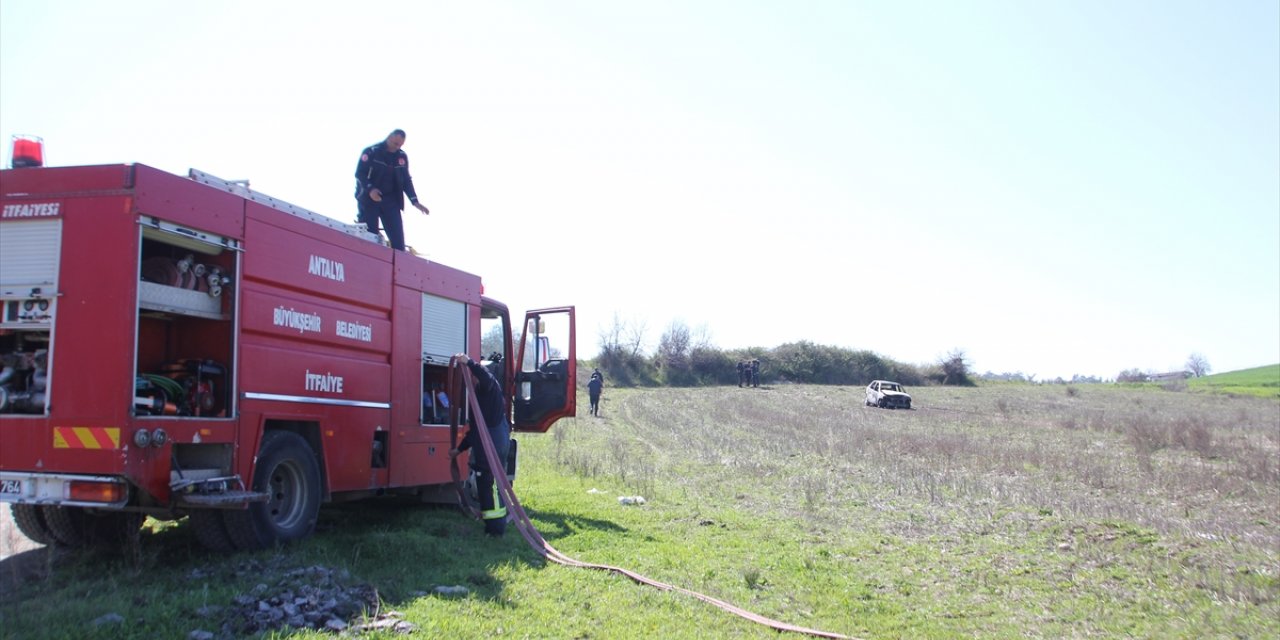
{"x": 382, "y": 180}
{"x": 493, "y": 509}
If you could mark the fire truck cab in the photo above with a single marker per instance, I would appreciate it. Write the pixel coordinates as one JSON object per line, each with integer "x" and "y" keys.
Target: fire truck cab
{"x": 184, "y": 346}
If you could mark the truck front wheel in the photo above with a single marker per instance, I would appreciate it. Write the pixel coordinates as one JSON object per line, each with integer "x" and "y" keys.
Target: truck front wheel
{"x": 290, "y": 476}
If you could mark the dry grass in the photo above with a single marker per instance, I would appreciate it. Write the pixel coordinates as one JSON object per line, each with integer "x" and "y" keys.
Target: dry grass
{"x": 1182, "y": 488}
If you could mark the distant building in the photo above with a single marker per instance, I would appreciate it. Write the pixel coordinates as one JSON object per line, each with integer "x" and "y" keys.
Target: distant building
{"x": 1170, "y": 376}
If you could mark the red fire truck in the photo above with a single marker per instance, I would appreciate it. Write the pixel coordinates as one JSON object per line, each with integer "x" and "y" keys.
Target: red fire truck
{"x": 187, "y": 347}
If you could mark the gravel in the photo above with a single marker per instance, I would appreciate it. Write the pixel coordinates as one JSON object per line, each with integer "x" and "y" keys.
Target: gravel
{"x": 315, "y": 597}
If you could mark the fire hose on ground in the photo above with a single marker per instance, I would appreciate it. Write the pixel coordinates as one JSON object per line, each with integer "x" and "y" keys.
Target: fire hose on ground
{"x": 531, "y": 535}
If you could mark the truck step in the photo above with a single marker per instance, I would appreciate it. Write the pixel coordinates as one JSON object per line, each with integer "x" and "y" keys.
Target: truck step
{"x": 224, "y": 499}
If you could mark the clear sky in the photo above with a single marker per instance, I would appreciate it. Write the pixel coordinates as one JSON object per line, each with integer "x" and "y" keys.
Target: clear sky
{"x": 1056, "y": 187}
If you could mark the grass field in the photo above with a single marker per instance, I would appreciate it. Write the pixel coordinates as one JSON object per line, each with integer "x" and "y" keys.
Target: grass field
{"x": 1259, "y": 381}
{"x": 1004, "y": 512}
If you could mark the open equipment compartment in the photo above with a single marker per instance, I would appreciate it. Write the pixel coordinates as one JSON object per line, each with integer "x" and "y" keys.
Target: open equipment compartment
{"x": 31, "y": 250}
{"x": 435, "y": 398}
{"x": 186, "y": 315}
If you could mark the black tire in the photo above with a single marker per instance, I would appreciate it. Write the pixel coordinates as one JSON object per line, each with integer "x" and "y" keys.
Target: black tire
{"x": 289, "y": 473}
{"x": 79, "y": 527}
{"x": 69, "y": 525}
{"x": 30, "y": 522}
{"x": 210, "y": 530}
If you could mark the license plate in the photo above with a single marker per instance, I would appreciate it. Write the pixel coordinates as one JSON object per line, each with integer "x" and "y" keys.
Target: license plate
{"x": 11, "y": 487}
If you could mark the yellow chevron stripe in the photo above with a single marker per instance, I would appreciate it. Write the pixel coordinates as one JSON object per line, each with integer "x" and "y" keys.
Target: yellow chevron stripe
{"x": 112, "y": 435}
{"x": 86, "y": 438}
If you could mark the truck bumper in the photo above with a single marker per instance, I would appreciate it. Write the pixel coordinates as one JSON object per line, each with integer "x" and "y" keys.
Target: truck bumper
{"x": 70, "y": 490}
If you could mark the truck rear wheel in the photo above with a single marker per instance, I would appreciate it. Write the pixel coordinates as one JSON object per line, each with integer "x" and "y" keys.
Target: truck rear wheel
{"x": 67, "y": 524}
{"x": 31, "y": 523}
{"x": 78, "y": 527}
{"x": 290, "y": 475}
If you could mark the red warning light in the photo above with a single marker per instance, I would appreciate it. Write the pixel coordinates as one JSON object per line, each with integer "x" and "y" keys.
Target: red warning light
{"x": 28, "y": 151}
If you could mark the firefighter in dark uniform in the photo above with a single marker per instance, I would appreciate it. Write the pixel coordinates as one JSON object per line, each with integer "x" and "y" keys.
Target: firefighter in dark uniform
{"x": 594, "y": 387}
{"x": 382, "y": 180}
{"x": 493, "y": 509}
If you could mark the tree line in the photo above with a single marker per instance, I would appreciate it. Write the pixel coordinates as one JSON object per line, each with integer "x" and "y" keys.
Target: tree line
{"x": 686, "y": 358}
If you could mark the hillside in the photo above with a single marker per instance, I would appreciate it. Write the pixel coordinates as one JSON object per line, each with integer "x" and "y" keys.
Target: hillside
{"x": 1259, "y": 381}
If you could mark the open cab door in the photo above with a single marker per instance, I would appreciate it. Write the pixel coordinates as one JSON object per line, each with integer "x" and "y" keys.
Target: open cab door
{"x": 547, "y": 369}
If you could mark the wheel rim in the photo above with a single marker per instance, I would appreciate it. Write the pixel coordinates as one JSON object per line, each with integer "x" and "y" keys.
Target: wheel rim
{"x": 288, "y": 495}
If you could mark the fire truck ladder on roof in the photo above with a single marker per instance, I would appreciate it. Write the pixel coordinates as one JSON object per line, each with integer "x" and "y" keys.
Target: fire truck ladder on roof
{"x": 241, "y": 188}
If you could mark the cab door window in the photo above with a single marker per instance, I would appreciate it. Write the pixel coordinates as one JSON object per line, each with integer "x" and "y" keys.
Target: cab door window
{"x": 545, "y": 389}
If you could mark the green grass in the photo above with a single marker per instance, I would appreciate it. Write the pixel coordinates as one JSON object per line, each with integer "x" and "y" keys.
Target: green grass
{"x": 1260, "y": 381}
{"x": 994, "y": 512}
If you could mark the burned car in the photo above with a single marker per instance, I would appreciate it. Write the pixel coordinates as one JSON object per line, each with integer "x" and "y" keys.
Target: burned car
{"x": 887, "y": 395}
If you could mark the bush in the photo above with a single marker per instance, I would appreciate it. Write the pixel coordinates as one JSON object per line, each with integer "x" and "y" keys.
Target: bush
{"x": 955, "y": 369}
{"x": 800, "y": 362}
{"x": 711, "y": 366}
{"x": 625, "y": 369}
